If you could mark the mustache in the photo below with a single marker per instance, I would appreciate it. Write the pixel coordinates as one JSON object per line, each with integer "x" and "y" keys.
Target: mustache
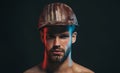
{"x": 57, "y": 49}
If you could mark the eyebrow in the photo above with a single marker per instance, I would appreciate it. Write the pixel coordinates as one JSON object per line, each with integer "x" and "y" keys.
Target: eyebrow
{"x": 60, "y": 34}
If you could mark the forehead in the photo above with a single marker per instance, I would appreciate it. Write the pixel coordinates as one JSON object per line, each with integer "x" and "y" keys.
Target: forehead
{"x": 66, "y": 33}
{"x": 56, "y": 29}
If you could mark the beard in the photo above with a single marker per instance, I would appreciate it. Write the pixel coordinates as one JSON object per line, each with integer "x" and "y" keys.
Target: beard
{"x": 58, "y": 57}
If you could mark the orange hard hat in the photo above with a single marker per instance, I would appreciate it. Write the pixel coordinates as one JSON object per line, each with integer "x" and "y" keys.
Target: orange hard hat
{"x": 57, "y": 14}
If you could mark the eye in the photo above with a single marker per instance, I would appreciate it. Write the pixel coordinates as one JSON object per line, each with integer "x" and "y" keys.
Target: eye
{"x": 64, "y": 36}
{"x": 50, "y": 36}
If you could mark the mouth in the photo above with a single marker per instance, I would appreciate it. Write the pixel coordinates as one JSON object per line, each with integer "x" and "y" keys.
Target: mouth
{"x": 57, "y": 52}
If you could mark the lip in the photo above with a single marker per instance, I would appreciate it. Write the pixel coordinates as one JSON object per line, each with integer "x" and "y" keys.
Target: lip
{"x": 57, "y": 52}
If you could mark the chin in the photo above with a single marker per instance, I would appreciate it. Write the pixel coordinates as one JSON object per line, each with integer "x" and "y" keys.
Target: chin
{"x": 56, "y": 59}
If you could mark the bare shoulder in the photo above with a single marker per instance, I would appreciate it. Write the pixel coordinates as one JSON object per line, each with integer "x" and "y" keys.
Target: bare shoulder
{"x": 81, "y": 69}
{"x": 34, "y": 69}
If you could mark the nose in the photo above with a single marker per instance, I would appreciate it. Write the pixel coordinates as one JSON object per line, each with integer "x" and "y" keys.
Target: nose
{"x": 57, "y": 41}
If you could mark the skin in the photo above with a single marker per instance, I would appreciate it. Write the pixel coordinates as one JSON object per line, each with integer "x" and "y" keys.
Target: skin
{"x": 58, "y": 55}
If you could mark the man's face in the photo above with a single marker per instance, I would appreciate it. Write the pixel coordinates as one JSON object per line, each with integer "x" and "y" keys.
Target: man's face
{"x": 57, "y": 45}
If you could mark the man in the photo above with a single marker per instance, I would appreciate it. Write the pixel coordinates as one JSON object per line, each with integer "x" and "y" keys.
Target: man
{"x": 57, "y": 26}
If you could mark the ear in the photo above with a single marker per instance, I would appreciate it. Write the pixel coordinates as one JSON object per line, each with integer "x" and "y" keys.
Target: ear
{"x": 74, "y": 35}
{"x": 42, "y": 36}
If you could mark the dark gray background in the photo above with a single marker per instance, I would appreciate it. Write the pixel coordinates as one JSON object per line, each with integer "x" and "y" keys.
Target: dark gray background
{"x": 97, "y": 46}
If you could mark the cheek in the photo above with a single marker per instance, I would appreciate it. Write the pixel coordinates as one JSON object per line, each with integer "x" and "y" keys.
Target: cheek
{"x": 49, "y": 45}
{"x": 65, "y": 43}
